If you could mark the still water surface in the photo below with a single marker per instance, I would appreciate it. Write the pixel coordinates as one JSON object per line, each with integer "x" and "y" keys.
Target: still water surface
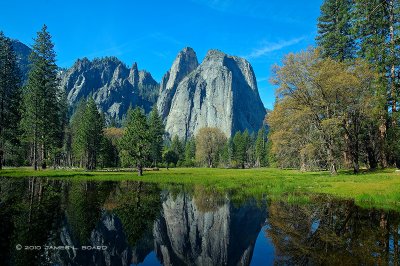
{"x": 54, "y": 222}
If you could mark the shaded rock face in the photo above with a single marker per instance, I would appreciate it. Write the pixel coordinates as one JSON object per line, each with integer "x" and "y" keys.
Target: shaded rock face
{"x": 184, "y": 64}
{"x": 221, "y": 92}
{"x": 113, "y": 86}
{"x": 108, "y": 233}
{"x": 22, "y": 52}
{"x": 186, "y": 235}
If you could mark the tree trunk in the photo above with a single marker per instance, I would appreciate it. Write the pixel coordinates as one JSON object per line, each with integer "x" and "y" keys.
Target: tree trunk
{"x": 1, "y": 158}
{"x": 331, "y": 162}
{"x": 382, "y": 139}
{"x": 373, "y": 164}
{"x": 392, "y": 68}
{"x": 140, "y": 169}
{"x": 355, "y": 157}
{"x": 303, "y": 167}
{"x": 35, "y": 160}
{"x": 356, "y": 165}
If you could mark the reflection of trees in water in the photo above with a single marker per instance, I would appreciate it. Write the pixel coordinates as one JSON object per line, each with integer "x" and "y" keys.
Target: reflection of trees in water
{"x": 137, "y": 205}
{"x": 36, "y": 211}
{"x": 30, "y": 210}
{"x": 208, "y": 199}
{"x": 337, "y": 233}
{"x": 84, "y": 200}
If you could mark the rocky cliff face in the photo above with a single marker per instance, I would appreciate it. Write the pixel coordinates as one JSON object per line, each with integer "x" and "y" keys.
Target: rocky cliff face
{"x": 184, "y": 64}
{"x": 221, "y": 92}
{"x": 113, "y": 86}
{"x": 22, "y": 51}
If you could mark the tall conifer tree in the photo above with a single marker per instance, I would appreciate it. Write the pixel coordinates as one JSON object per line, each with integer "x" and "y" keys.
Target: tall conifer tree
{"x": 41, "y": 113}
{"x": 9, "y": 95}
{"x": 136, "y": 143}
{"x": 334, "y": 30}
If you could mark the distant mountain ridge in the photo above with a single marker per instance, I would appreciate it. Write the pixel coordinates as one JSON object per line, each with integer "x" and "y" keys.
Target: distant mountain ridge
{"x": 113, "y": 85}
{"x": 220, "y": 92}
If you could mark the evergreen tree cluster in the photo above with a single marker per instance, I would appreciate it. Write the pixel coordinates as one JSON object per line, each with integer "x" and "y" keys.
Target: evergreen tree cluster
{"x": 211, "y": 148}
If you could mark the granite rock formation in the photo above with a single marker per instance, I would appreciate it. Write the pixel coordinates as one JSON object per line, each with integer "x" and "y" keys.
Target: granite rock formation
{"x": 221, "y": 92}
{"x": 111, "y": 83}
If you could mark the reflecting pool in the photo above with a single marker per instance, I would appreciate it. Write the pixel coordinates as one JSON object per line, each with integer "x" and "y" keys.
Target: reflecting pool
{"x": 55, "y": 222}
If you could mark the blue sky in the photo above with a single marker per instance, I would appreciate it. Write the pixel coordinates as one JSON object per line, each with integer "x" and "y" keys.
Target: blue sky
{"x": 153, "y": 32}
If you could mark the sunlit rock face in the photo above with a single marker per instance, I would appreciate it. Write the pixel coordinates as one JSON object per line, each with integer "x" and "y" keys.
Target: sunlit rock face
{"x": 221, "y": 92}
{"x": 113, "y": 86}
{"x": 184, "y": 64}
{"x": 189, "y": 234}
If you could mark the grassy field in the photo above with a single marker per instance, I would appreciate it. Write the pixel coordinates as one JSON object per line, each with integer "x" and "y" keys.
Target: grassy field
{"x": 373, "y": 189}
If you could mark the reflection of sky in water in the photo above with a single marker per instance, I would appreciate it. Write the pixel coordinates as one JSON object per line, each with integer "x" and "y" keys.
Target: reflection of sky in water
{"x": 264, "y": 250}
{"x": 314, "y": 226}
{"x": 150, "y": 260}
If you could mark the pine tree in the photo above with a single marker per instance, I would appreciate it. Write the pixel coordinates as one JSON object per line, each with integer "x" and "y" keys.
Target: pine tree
{"x": 190, "y": 152}
{"x": 9, "y": 95}
{"x": 334, "y": 30}
{"x": 156, "y": 131}
{"x": 178, "y": 147}
{"x": 87, "y": 133}
{"x": 247, "y": 139}
{"x": 136, "y": 143}
{"x": 41, "y": 112}
{"x": 78, "y": 142}
{"x": 93, "y": 125}
{"x": 239, "y": 149}
{"x": 261, "y": 148}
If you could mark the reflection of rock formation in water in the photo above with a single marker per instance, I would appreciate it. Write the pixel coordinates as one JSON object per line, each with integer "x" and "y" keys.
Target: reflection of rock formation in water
{"x": 108, "y": 233}
{"x": 184, "y": 235}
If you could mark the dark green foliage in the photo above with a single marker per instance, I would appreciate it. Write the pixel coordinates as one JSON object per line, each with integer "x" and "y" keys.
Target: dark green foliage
{"x": 190, "y": 153}
{"x": 10, "y": 98}
{"x": 261, "y": 148}
{"x": 170, "y": 157}
{"x": 241, "y": 148}
{"x": 178, "y": 146}
{"x": 87, "y": 129}
{"x": 136, "y": 142}
{"x": 109, "y": 156}
{"x": 138, "y": 205}
{"x": 84, "y": 210}
{"x": 334, "y": 30}
{"x": 156, "y": 131}
{"x": 43, "y": 114}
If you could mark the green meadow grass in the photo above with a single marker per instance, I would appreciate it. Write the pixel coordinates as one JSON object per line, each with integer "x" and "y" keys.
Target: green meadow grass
{"x": 370, "y": 189}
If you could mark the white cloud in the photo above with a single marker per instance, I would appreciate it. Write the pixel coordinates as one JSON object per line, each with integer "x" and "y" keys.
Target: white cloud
{"x": 271, "y": 47}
